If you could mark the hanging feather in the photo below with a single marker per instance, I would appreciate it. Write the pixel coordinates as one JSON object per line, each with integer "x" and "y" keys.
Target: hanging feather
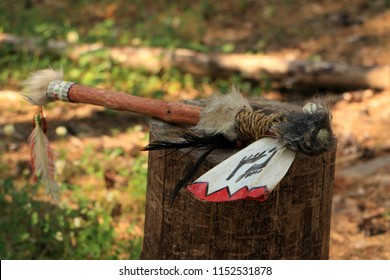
{"x": 42, "y": 156}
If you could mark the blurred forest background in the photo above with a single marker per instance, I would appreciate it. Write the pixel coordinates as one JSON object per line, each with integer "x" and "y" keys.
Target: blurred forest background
{"x": 100, "y": 167}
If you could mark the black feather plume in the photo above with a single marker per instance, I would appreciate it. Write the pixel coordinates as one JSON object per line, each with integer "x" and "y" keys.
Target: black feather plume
{"x": 190, "y": 173}
{"x": 189, "y": 139}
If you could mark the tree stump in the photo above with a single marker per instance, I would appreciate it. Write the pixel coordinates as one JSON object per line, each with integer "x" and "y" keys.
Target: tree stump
{"x": 294, "y": 223}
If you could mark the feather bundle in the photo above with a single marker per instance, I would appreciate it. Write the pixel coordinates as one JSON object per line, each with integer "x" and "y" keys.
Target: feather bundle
{"x": 42, "y": 157}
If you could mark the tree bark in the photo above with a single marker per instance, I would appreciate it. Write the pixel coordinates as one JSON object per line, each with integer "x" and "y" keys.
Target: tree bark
{"x": 294, "y": 223}
{"x": 288, "y": 72}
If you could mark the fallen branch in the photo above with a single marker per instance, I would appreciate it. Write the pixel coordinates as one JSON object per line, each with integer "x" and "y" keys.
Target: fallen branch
{"x": 252, "y": 66}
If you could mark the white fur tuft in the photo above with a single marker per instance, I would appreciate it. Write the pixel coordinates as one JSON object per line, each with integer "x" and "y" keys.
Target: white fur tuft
{"x": 219, "y": 116}
{"x": 311, "y": 108}
{"x": 36, "y": 85}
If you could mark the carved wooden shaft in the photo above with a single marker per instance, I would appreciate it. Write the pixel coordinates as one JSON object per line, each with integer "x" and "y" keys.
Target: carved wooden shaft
{"x": 294, "y": 223}
{"x": 169, "y": 112}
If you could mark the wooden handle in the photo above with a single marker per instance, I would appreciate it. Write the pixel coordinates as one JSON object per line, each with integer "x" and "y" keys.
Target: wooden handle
{"x": 170, "y": 112}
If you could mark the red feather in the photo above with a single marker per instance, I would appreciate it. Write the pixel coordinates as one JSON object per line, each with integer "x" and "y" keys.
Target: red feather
{"x": 42, "y": 156}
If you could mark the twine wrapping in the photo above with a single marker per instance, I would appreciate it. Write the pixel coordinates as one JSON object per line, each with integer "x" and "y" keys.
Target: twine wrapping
{"x": 252, "y": 126}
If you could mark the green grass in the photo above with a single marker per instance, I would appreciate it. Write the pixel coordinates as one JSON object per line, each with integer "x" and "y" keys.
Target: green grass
{"x": 81, "y": 225}
{"x": 129, "y": 23}
{"x": 33, "y": 229}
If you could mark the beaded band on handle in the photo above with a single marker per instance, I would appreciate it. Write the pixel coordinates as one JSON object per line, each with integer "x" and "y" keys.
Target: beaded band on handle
{"x": 58, "y": 90}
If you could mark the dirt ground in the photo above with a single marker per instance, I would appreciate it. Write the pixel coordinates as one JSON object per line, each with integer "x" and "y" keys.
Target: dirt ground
{"x": 361, "y": 201}
{"x": 358, "y": 34}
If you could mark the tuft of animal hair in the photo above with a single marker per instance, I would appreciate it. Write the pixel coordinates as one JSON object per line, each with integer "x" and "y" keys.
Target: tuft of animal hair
{"x": 308, "y": 130}
{"x": 36, "y": 85}
{"x": 219, "y": 116}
